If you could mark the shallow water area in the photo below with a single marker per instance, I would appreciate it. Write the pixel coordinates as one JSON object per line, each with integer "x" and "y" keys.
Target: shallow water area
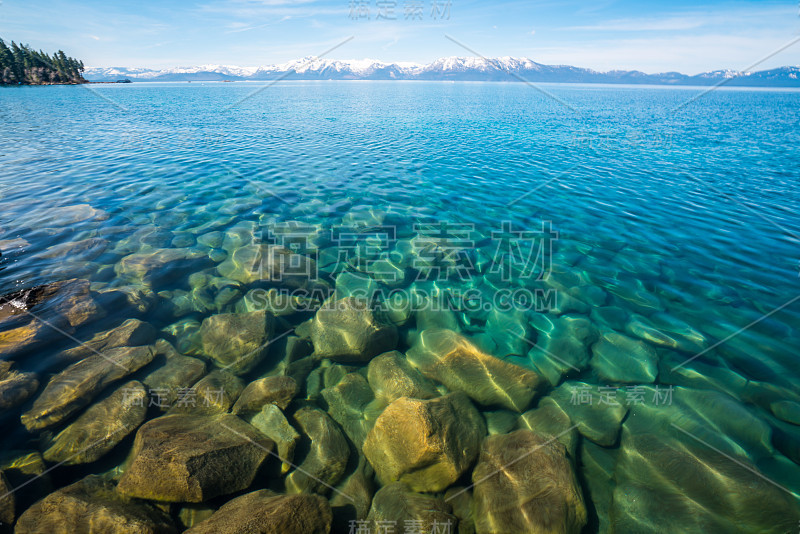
{"x": 400, "y": 289}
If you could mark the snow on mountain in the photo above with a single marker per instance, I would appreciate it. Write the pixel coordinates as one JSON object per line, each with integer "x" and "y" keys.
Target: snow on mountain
{"x": 447, "y": 68}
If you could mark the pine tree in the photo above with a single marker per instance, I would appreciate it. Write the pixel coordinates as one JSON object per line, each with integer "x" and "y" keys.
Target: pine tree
{"x": 20, "y": 64}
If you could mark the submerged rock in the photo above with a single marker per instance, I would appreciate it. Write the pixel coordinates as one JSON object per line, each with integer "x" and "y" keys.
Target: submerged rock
{"x": 101, "y": 427}
{"x": 162, "y": 266}
{"x": 83, "y": 250}
{"x": 92, "y": 505}
{"x": 277, "y": 390}
{"x": 353, "y": 496}
{"x": 785, "y": 411}
{"x": 256, "y": 263}
{"x": 266, "y": 512}
{"x": 172, "y": 378}
{"x": 8, "y": 502}
{"x": 273, "y": 424}
{"x": 549, "y": 420}
{"x": 427, "y": 444}
{"x": 75, "y": 387}
{"x": 187, "y": 458}
{"x": 449, "y": 358}
{"x": 325, "y": 463}
{"x": 598, "y": 416}
{"x": 15, "y": 387}
{"x": 347, "y": 330}
{"x": 349, "y": 405}
{"x": 131, "y": 333}
{"x": 60, "y": 306}
{"x": 215, "y": 393}
{"x": 562, "y": 346}
{"x": 526, "y": 483}
{"x": 391, "y": 377}
{"x": 620, "y": 359}
{"x": 396, "y": 504}
{"x": 27, "y": 473}
{"x": 692, "y": 488}
{"x": 237, "y": 341}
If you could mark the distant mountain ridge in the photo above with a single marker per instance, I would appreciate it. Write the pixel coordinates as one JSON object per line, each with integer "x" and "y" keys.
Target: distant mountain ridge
{"x": 444, "y": 69}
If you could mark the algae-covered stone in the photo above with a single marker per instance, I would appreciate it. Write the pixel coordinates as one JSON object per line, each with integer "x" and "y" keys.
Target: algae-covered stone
{"x": 237, "y": 341}
{"x": 161, "y": 266}
{"x": 187, "y": 458}
{"x": 427, "y": 444}
{"x": 82, "y": 250}
{"x": 460, "y": 499}
{"x": 449, "y": 358}
{"x": 266, "y": 512}
{"x": 396, "y": 504}
{"x": 131, "y": 333}
{"x": 548, "y": 419}
{"x": 348, "y": 330}
{"x": 172, "y": 377}
{"x": 27, "y": 473}
{"x": 15, "y": 387}
{"x": 273, "y": 424}
{"x": 278, "y": 390}
{"x": 101, "y": 427}
{"x": 353, "y": 495}
{"x": 598, "y": 416}
{"x": 391, "y": 377}
{"x": 215, "y": 393}
{"x": 617, "y": 358}
{"x": 75, "y": 387}
{"x": 562, "y": 345}
{"x": 254, "y": 263}
{"x": 786, "y": 411}
{"x": 92, "y": 505}
{"x": 327, "y": 456}
{"x": 526, "y": 483}
{"x": 349, "y": 405}
{"x": 8, "y": 502}
{"x": 677, "y": 481}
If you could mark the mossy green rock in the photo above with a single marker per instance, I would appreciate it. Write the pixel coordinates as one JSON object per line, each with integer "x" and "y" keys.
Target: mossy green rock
{"x": 426, "y": 444}
{"x": 101, "y": 427}
{"x": 273, "y": 424}
{"x": 266, "y": 512}
{"x": 598, "y": 419}
{"x": 398, "y": 504}
{"x": 347, "y": 330}
{"x": 692, "y": 488}
{"x": 391, "y": 376}
{"x": 188, "y": 458}
{"x": 449, "y": 358}
{"x": 8, "y": 502}
{"x": 131, "y": 333}
{"x": 90, "y": 506}
{"x": 349, "y": 405}
{"x": 326, "y": 460}
{"x": 526, "y": 483}
{"x": 237, "y": 341}
{"x": 15, "y": 387}
{"x": 75, "y": 387}
{"x": 620, "y": 359}
{"x": 277, "y": 390}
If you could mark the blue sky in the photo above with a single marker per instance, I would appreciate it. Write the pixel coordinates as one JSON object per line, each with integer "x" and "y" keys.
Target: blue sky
{"x": 659, "y": 36}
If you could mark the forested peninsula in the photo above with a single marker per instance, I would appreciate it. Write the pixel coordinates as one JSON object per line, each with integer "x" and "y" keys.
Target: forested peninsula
{"x": 21, "y": 65}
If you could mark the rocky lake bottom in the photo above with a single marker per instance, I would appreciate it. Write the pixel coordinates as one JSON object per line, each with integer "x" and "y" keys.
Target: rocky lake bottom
{"x": 189, "y": 348}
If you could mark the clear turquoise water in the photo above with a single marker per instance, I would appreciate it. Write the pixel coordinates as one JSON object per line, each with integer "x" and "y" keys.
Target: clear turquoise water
{"x": 689, "y": 217}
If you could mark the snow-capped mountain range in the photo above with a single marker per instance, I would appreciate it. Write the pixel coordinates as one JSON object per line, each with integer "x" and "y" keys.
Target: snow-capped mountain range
{"x": 449, "y": 68}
